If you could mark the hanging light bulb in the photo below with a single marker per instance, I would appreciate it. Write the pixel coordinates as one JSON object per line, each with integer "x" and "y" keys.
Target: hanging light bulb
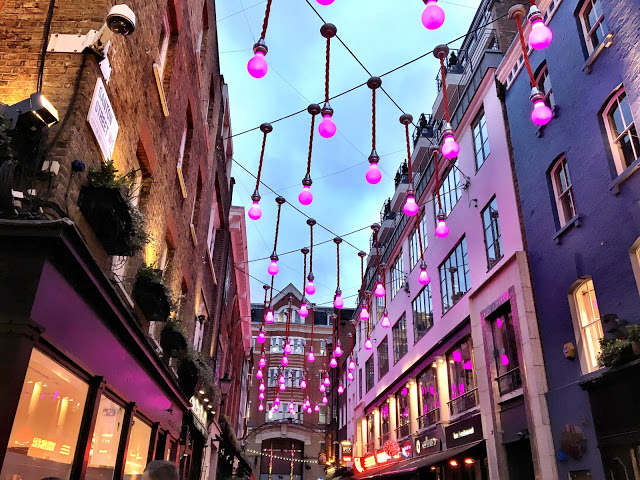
{"x": 273, "y": 266}
{"x": 276, "y": 401}
{"x": 325, "y": 2}
{"x": 261, "y": 396}
{"x": 261, "y": 337}
{"x": 258, "y": 66}
{"x": 322, "y": 388}
{"x": 290, "y": 405}
{"x": 410, "y": 206}
{"x": 364, "y": 313}
{"x": 368, "y": 344}
{"x": 269, "y": 318}
{"x": 288, "y": 348}
{"x": 424, "y": 278}
{"x": 255, "y": 212}
{"x": 306, "y": 197}
{"x": 540, "y": 36}
{"x": 310, "y": 288}
{"x": 261, "y": 387}
{"x": 282, "y": 380}
{"x": 284, "y": 361}
{"x": 333, "y": 363}
{"x": 380, "y": 292}
{"x": 352, "y": 365}
{"x": 385, "y": 320}
{"x": 338, "y": 350}
{"x": 327, "y": 382}
{"x": 350, "y": 376}
{"x": 373, "y": 175}
{"x": 304, "y": 311}
{"x": 283, "y": 387}
{"x": 260, "y": 407}
{"x": 303, "y": 383}
{"x": 338, "y": 302}
{"x": 311, "y": 357}
{"x": 325, "y": 400}
{"x": 316, "y": 408}
{"x": 340, "y": 389}
{"x": 327, "y": 127}
{"x": 450, "y": 148}
{"x": 259, "y": 374}
{"x": 262, "y": 362}
{"x": 541, "y": 114}
{"x": 433, "y": 15}
{"x": 442, "y": 230}
{"x": 309, "y": 410}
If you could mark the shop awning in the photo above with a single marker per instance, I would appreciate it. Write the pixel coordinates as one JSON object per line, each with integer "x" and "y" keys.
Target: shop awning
{"x": 243, "y": 464}
{"x": 414, "y": 464}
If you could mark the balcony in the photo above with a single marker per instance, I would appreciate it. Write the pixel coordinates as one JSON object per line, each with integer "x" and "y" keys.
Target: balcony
{"x": 384, "y": 437}
{"x": 401, "y": 182}
{"x": 430, "y": 418}
{"x": 402, "y": 431}
{"x": 464, "y": 402}
{"x": 510, "y": 381}
{"x": 371, "y": 447}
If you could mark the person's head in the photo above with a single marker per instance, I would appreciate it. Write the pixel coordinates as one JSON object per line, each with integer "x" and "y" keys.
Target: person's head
{"x": 160, "y": 470}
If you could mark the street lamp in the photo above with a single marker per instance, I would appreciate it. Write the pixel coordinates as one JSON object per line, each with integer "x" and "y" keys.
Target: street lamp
{"x": 225, "y": 386}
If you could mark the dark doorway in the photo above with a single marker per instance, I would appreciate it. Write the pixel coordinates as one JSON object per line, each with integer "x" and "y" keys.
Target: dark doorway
{"x": 281, "y": 459}
{"x": 519, "y": 460}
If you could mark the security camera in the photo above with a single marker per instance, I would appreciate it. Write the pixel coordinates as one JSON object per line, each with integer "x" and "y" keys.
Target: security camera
{"x": 121, "y": 20}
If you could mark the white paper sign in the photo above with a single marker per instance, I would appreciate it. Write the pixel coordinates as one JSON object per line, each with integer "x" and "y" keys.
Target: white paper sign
{"x": 103, "y": 121}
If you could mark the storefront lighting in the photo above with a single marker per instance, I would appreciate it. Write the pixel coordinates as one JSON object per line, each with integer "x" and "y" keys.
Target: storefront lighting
{"x": 36, "y": 109}
{"x": 201, "y": 392}
{"x": 469, "y": 461}
{"x": 433, "y": 468}
{"x": 453, "y": 463}
{"x": 205, "y": 400}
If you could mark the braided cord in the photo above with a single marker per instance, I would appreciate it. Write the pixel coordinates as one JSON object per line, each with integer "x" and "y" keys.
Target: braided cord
{"x": 264, "y": 143}
{"x": 443, "y": 74}
{"x": 523, "y": 44}
{"x": 265, "y": 24}
{"x": 338, "y": 262}
{"x": 373, "y": 119}
{"x": 313, "y": 122}
{"x": 406, "y": 131}
{"x": 275, "y": 242}
{"x": 326, "y": 75}
{"x": 311, "y": 252}
{"x": 435, "y": 157}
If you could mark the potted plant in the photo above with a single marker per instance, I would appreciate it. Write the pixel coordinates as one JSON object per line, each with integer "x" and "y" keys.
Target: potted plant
{"x": 614, "y": 352}
{"x": 104, "y": 202}
{"x": 633, "y": 335}
{"x": 152, "y": 294}
{"x": 173, "y": 339}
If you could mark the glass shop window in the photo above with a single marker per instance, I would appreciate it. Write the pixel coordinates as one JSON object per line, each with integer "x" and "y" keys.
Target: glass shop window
{"x": 105, "y": 440}
{"x": 45, "y": 429}
{"x": 138, "y": 450}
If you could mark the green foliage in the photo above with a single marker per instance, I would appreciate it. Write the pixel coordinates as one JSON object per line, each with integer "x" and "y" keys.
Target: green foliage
{"x": 106, "y": 176}
{"x": 613, "y": 352}
{"x": 139, "y": 235}
{"x": 633, "y": 332}
{"x": 6, "y": 152}
{"x": 150, "y": 274}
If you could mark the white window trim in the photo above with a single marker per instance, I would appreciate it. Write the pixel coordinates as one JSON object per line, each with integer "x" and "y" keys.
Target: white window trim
{"x": 613, "y": 140}
{"x": 559, "y": 194}
{"x": 183, "y": 144}
{"x": 581, "y": 344}
{"x": 585, "y": 32}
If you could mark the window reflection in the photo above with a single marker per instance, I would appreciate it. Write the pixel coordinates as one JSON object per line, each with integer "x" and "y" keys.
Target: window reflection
{"x": 105, "y": 440}
{"x": 138, "y": 450}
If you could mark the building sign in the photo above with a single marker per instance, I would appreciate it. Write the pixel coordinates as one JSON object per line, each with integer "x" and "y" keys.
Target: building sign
{"x": 357, "y": 463}
{"x": 465, "y": 431}
{"x": 322, "y": 458}
{"x": 199, "y": 414}
{"x": 346, "y": 451}
{"x": 42, "y": 444}
{"x": 427, "y": 444}
{"x": 406, "y": 449}
{"x": 103, "y": 121}
{"x": 369, "y": 461}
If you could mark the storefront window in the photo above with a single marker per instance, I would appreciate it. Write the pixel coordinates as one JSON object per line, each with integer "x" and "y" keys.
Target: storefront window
{"x": 46, "y": 426}
{"x": 138, "y": 449}
{"x": 105, "y": 441}
{"x": 370, "y": 432}
{"x": 428, "y": 397}
{"x": 384, "y": 423}
{"x": 462, "y": 379}
{"x": 506, "y": 354}
{"x": 402, "y": 404}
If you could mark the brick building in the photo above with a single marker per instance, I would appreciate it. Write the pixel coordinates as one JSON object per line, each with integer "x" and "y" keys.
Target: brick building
{"x": 119, "y": 289}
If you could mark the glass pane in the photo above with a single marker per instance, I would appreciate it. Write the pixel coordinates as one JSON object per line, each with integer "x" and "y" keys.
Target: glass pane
{"x": 616, "y": 119}
{"x": 461, "y": 376}
{"x": 138, "y": 450}
{"x": 105, "y": 441}
{"x": 625, "y": 109}
{"x": 45, "y": 429}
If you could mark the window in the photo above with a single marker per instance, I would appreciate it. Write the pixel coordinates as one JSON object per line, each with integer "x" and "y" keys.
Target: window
{"x": 402, "y": 407}
{"x": 195, "y": 210}
{"x": 623, "y": 136}
{"x": 184, "y": 154}
{"x": 563, "y": 191}
{"x": 450, "y": 191}
{"x": 383, "y": 358}
{"x": 298, "y": 345}
{"x": 385, "y": 428}
{"x": 323, "y": 347}
{"x": 137, "y": 448}
{"x": 272, "y": 377}
{"x": 422, "y": 313}
{"x": 276, "y": 344}
{"x": 322, "y": 415}
{"x": 47, "y": 422}
{"x": 399, "y": 332}
{"x": 492, "y": 234}
{"x": 454, "y": 276}
{"x": 594, "y": 26}
{"x": 544, "y": 85}
{"x": 414, "y": 242}
{"x": 480, "y": 139}
{"x": 203, "y": 40}
{"x": 591, "y": 332}
{"x": 462, "y": 379}
{"x": 167, "y": 45}
{"x": 397, "y": 275}
{"x": 505, "y": 351}
{"x": 359, "y": 383}
{"x": 371, "y": 432}
{"x": 428, "y": 397}
{"x": 369, "y": 373}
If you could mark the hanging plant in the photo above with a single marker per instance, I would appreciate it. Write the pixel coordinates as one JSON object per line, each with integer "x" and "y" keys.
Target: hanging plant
{"x": 633, "y": 335}
{"x": 152, "y": 295}
{"x": 173, "y": 338}
{"x": 614, "y": 352}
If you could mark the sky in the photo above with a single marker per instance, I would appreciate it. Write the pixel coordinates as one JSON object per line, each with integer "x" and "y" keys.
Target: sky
{"x": 383, "y": 34}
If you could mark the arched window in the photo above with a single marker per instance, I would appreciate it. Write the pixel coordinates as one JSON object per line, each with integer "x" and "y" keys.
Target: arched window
{"x": 622, "y": 132}
{"x": 589, "y": 328}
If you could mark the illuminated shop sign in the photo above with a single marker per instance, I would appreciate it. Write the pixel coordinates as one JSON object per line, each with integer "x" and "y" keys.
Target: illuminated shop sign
{"x": 369, "y": 461}
{"x": 382, "y": 457}
{"x": 357, "y": 463}
{"x": 427, "y": 444}
{"x": 42, "y": 444}
{"x": 465, "y": 431}
{"x": 347, "y": 451}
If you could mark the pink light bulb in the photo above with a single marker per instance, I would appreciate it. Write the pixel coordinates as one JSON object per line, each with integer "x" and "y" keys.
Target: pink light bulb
{"x": 333, "y": 363}
{"x": 410, "y": 206}
{"x": 261, "y": 387}
{"x": 261, "y": 396}
{"x": 504, "y": 359}
{"x": 350, "y": 376}
{"x": 442, "y": 230}
{"x": 261, "y": 337}
{"x": 373, "y": 175}
{"x": 276, "y": 401}
{"x": 450, "y": 148}
{"x": 281, "y": 380}
{"x": 303, "y": 384}
{"x": 340, "y": 389}
{"x": 325, "y": 2}
{"x": 283, "y": 387}
{"x": 310, "y": 288}
{"x": 322, "y": 388}
{"x": 540, "y": 36}
{"x": 260, "y": 407}
{"x": 284, "y": 361}
{"x": 433, "y": 15}
{"x": 325, "y": 400}
{"x": 368, "y": 344}
{"x": 380, "y": 291}
{"x": 311, "y": 357}
{"x": 262, "y": 362}
{"x": 338, "y": 302}
{"x": 385, "y": 321}
{"x": 327, "y": 382}
{"x": 457, "y": 356}
{"x": 269, "y": 318}
{"x": 327, "y": 127}
{"x": 352, "y": 365}
{"x": 364, "y": 313}
{"x": 304, "y": 311}
{"x": 338, "y": 351}
{"x": 259, "y": 374}
{"x": 309, "y": 410}
{"x": 288, "y": 348}
{"x": 258, "y": 66}
{"x": 255, "y": 212}
{"x": 273, "y": 268}
{"x": 290, "y": 405}
{"x": 316, "y": 408}
{"x": 424, "y": 278}
{"x": 541, "y": 114}
{"x": 305, "y": 197}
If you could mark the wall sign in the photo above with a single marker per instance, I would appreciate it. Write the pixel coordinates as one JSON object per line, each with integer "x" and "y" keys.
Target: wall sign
{"x": 347, "y": 451}
{"x": 406, "y": 448}
{"x": 427, "y": 444}
{"x": 103, "y": 120}
{"x": 465, "y": 431}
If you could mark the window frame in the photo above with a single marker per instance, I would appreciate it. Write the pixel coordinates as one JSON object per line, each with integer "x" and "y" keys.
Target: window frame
{"x": 369, "y": 374}
{"x": 561, "y": 164}
{"x": 587, "y": 32}
{"x": 449, "y": 198}
{"x": 541, "y": 76}
{"x": 414, "y": 242}
{"x": 397, "y": 275}
{"x": 422, "y": 299}
{"x": 398, "y": 354}
{"x": 480, "y": 124}
{"x": 630, "y": 129}
{"x": 588, "y": 357}
{"x": 383, "y": 367}
{"x": 466, "y": 275}
{"x": 496, "y": 233}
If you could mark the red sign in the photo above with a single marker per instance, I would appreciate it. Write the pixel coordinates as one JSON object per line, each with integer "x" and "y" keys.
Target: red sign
{"x": 357, "y": 462}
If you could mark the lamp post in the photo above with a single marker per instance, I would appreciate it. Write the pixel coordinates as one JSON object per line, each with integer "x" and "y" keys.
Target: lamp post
{"x": 225, "y": 386}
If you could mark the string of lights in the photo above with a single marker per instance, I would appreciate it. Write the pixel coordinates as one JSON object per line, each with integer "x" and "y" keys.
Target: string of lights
{"x": 277, "y": 457}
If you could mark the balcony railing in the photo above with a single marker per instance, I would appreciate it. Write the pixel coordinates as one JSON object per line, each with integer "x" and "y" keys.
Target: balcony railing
{"x": 464, "y": 402}
{"x": 371, "y": 446}
{"x": 403, "y": 431}
{"x": 402, "y": 175}
{"x": 510, "y": 381}
{"x": 430, "y": 418}
{"x": 384, "y": 437}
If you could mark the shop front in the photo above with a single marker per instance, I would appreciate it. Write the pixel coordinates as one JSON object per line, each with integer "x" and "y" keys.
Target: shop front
{"x": 84, "y": 394}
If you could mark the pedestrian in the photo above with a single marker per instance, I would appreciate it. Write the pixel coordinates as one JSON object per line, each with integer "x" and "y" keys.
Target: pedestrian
{"x": 160, "y": 470}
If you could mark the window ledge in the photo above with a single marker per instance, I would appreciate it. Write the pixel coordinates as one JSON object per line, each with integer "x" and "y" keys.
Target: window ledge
{"x": 605, "y": 43}
{"x": 518, "y": 392}
{"x": 540, "y": 131}
{"x": 575, "y": 221}
{"x": 614, "y": 186}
